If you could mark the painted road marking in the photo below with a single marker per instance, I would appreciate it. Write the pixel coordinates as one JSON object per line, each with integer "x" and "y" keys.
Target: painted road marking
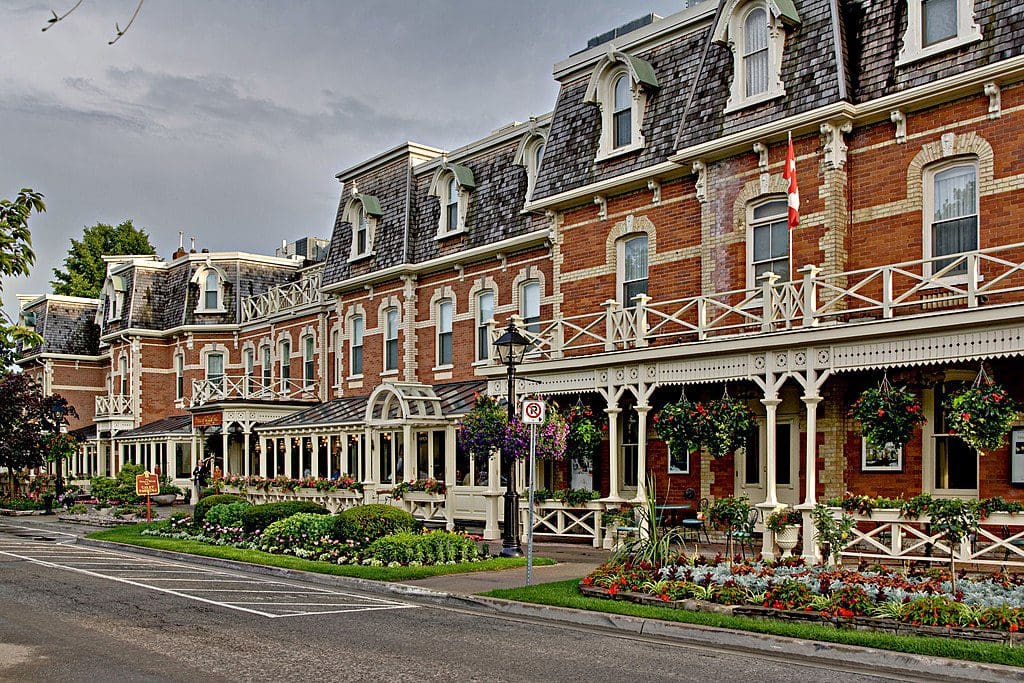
{"x": 268, "y": 598}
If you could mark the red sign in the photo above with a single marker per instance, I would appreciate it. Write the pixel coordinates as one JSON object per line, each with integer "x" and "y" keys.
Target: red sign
{"x": 147, "y": 484}
{"x": 207, "y": 420}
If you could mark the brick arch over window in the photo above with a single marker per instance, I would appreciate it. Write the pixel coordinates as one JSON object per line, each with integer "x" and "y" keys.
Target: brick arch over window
{"x": 445, "y": 292}
{"x": 390, "y": 301}
{"x": 949, "y": 147}
{"x": 637, "y": 226}
{"x": 753, "y": 190}
{"x": 481, "y": 284}
{"x": 528, "y": 274}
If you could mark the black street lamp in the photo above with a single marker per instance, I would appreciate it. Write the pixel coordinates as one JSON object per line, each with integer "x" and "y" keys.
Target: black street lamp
{"x": 511, "y": 347}
{"x": 59, "y": 410}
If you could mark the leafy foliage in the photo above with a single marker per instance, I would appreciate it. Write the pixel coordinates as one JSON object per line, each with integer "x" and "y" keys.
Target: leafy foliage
{"x": 783, "y": 518}
{"x": 831, "y": 531}
{"x": 303, "y": 529}
{"x": 436, "y": 547}
{"x": 586, "y": 431}
{"x": 84, "y": 269}
{"x": 16, "y": 258}
{"x": 721, "y": 425}
{"x": 207, "y": 503}
{"x": 486, "y": 428}
{"x": 887, "y": 415}
{"x": 259, "y": 517}
{"x": 366, "y": 523}
{"x": 654, "y": 545}
{"x": 981, "y": 415}
{"x": 29, "y": 431}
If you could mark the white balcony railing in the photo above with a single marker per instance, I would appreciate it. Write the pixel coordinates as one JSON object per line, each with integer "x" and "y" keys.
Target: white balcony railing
{"x": 114, "y": 406}
{"x": 216, "y": 389}
{"x": 964, "y": 281}
{"x": 284, "y": 297}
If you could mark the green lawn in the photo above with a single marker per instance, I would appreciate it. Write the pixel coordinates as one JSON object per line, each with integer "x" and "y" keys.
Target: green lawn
{"x": 131, "y": 534}
{"x": 567, "y": 594}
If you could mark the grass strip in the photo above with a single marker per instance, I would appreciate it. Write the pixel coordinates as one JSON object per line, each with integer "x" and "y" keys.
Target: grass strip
{"x": 132, "y": 535}
{"x": 567, "y": 594}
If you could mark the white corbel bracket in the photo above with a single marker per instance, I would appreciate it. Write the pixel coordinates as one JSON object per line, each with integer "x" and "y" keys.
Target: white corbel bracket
{"x": 655, "y": 187}
{"x": 700, "y": 186}
{"x": 900, "y": 121}
{"x": 834, "y": 144}
{"x": 994, "y": 94}
{"x": 602, "y": 206}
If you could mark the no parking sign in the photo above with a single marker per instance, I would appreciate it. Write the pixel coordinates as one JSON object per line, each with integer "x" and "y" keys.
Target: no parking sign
{"x": 533, "y": 412}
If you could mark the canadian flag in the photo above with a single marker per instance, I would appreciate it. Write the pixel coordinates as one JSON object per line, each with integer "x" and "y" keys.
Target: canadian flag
{"x": 792, "y": 192}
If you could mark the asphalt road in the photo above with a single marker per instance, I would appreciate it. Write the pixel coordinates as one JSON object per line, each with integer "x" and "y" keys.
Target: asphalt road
{"x": 72, "y": 613}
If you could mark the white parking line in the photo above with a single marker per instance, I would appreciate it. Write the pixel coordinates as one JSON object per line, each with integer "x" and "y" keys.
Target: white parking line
{"x": 113, "y": 566}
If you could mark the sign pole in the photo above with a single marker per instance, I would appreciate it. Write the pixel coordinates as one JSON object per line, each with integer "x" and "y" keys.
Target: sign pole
{"x": 149, "y": 510}
{"x": 529, "y": 509}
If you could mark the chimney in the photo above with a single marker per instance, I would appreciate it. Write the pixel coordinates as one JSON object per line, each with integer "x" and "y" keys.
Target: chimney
{"x": 181, "y": 245}
{"x": 206, "y": 251}
{"x": 192, "y": 249}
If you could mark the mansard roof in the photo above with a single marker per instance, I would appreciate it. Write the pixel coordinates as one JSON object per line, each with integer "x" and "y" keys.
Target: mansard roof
{"x": 66, "y": 324}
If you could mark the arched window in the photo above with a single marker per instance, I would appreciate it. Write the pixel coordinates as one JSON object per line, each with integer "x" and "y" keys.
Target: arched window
{"x": 286, "y": 364}
{"x": 362, "y": 232}
{"x": 356, "y": 347}
{"x": 267, "y": 367}
{"x": 215, "y": 369}
{"x": 308, "y": 365}
{"x": 445, "y": 312}
{"x": 951, "y": 213}
{"x": 768, "y": 240}
{"x": 179, "y": 375}
{"x": 211, "y": 296}
{"x": 529, "y": 306}
{"x": 391, "y": 339}
{"x": 452, "y": 205}
{"x": 633, "y": 269}
{"x": 755, "y": 52}
{"x": 122, "y": 368}
{"x": 622, "y": 114}
{"x": 484, "y": 313}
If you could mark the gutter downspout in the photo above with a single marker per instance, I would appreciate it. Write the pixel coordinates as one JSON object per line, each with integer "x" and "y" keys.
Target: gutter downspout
{"x": 700, "y": 70}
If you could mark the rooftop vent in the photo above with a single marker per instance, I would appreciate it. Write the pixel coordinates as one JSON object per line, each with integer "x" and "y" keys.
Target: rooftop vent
{"x": 309, "y": 248}
{"x": 622, "y": 30}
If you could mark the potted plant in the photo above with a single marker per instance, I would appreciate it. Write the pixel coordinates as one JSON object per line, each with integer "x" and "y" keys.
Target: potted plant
{"x": 785, "y": 524}
{"x": 585, "y": 432}
{"x": 887, "y": 415}
{"x": 981, "y": 414}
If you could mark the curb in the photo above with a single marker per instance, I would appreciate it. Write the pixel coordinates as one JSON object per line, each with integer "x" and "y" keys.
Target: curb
{"x": 706, "y": 638}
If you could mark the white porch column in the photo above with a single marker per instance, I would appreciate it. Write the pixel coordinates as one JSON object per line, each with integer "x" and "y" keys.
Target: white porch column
{"x": 810, "y": 534}
{"x": 613, "y": 453}
{"x": 343, "y": 465}
{"x": 314, "y": 447}
{"x": 641, "y": 453}
{"x": 224, "y": 450}
{"x": 172, "y": 461}
{"x": 264, "y": 455}
{"x": 409, "y": 456}
{"x": 449, "y": 477}
{"x": 289, "y": 470}
{"x": 771, "y": 501}
{"x": 492, "y": 498}
{"x": 246, "y": 454}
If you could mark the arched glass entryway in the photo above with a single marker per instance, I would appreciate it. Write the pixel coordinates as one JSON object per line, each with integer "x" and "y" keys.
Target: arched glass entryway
{"x": 410, "y": 431}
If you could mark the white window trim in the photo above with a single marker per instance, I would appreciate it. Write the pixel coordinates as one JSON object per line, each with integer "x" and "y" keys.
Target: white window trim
{"x": 897, "y": 468}
{"x": 765, "y": 199}
{"x": 353, "y": 211}
{"x": 913, "y": 49}
{"x": 928, "y": 211}
{"x": 386, "y": 339}
{"x": 605, "y": 99}
{"x": 928, "y": 437}
{"x": 284, "y": 362}
{"x": 480, "y": 326}
{"x": 200, "y": 279}
{"x": 441, "y": 185}
{"x": 307, "y": 383}
{"x": 526, "y": 156}
{"x": 620, "y": 264}
{"x": 179, "y": 372}
{"x": 668, "y": 462}
{"x": 352, "y": 345}
{"x": 734, "y": 38}
{"x": 438, "y": 365}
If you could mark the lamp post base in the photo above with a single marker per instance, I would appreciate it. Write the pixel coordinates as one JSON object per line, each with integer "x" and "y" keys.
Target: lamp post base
{"x": 510, "y": 546}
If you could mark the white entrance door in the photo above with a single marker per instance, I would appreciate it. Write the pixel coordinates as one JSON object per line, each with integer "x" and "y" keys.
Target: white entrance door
{"x": 752, "y": 466}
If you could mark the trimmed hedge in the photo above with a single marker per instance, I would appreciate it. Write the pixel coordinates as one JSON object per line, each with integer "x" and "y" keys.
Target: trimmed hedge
{"x": 436, "y": 547}
{"x": 227, "y": 514}
{"x": 300, "y": 531}
{"x": 364, "y": 524}
{"x": 204, "y": 505}
{"x": 259, "y": 517}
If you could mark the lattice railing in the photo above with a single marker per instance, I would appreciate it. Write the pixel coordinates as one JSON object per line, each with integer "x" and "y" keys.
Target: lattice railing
{"x": 284, "y": 297}
{"x": 886, "y": 535}
{"x": 963, "y": 281}
{"x": 556, "y": 519}
{"x": 251, "y": 388}
{"x": 114, "y": 406}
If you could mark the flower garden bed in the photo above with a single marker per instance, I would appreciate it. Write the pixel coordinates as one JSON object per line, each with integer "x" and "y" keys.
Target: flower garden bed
{"x": 920, "y": 603}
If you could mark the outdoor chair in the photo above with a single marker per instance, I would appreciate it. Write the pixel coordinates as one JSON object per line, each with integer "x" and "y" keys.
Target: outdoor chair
{"x": 745, "y": 535}
{"x": 694, "y": 526}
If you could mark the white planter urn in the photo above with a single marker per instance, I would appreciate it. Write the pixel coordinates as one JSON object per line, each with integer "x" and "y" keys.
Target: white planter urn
{"x": 787, "y": 538}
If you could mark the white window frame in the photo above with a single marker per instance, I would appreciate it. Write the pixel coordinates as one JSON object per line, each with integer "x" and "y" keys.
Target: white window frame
{"x": 284, "y": 364}
{"x": 736, "y": 40}
{"x": 482, "y": 330}
{"x": 928, "y": 211}
{"x": 913, "y": 48}
{"x": 210, "y": 377}
{"x": 621, "y": 281}
{"x": 677, "y": 470}
{"x": 249, "y": 367}
{"x": 357, "y": 216}
{"x": 202, "y": 280}
{"x": 266, "y": 366}
{"x": 929, "y": 437}
{"x": 752, "y": 281}
{"x": 523, "y": 303}
{"x": 605, "y": 98}
{"x": 179, "y": 376}
{"x": 441, "y": 331}
{"x": 357, "y": 326}
{"x": 897, "y": 466}
{"x": 336, "y": 348}
{"x": 391, "y": 326}
{"x": 443, "y": 193}
{"x": 533, "y": 158}
{"x": 124, "y": 370}
{"x": 309, "y": 361}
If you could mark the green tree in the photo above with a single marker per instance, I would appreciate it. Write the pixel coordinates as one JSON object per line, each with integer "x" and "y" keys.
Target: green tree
{"x": 84, "y": 268}
{"x": 22, "y": 422}
{"x": 16, "y": 257}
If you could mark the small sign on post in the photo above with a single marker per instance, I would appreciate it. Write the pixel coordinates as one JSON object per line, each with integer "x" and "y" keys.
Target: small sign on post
{"x": 533, "y": 415}
{"x": 147, "y": 484}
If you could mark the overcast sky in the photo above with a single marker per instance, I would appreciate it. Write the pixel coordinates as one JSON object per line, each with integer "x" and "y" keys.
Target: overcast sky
{"x": 229, "y": 120}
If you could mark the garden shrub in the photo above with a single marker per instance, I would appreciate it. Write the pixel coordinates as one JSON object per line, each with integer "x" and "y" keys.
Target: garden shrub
{"x": 436, "y": 547}
{"x": 366, "y": 523}
{"x": 205, "y": 504}
{"x": 103, "y": 488}
{"x": 853, "y": 598}
{"x": 1002, "y": 618}
{"x": 932, "y": 610}
{"x": 788, "y": 594}
{"x": 227, "y": 514}
{"x": 78, "y": 509}
{"x": 301, "y": 530}
{"x": 259, "y": 517}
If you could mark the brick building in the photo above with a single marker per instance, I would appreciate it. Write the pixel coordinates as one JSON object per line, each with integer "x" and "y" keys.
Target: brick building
{"x": 640, "y": 229}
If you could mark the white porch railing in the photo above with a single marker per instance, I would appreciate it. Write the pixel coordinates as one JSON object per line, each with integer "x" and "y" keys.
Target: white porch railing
{"x": 999, "y": 539}
{"x": 426, "y": 507}
{"x": 964, "y": 281}
{"x": 250, "y": 388}
{"x": 114, "y": 406}
{"x": 335, "y": 501}
{"x": 284, "y": 297}
{"x": 554, "y": 518}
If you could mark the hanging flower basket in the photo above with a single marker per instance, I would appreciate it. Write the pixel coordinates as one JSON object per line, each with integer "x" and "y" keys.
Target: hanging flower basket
{"x": 483, "y": 429}
{"x": 680, "y": 426}
{"x": 585, "y": 432}
{"x": 887, "y": 414}
{"x": 726, "y": 423}
{"x": 551, "y": 438}
{"x": 981, "y": 414}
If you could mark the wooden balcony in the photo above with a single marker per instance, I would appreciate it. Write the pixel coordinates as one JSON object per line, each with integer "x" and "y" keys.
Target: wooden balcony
{"x": 114, "y": 406}
{"x": 286, "y": 297}
{"x": 225, "y": 388}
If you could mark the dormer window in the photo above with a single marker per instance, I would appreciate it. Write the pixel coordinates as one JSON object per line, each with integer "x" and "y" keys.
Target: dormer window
{"x": 529, "y": 155}
{"x": 452, "y": 185}
{"x": 937, "y": 26}
{"x": 210, "y": 280}
{"x": 620, "y": 86}
{"x": 755, "y": 33}
{"x": 113, "y": 298}
{"x": 362, "y": 212}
